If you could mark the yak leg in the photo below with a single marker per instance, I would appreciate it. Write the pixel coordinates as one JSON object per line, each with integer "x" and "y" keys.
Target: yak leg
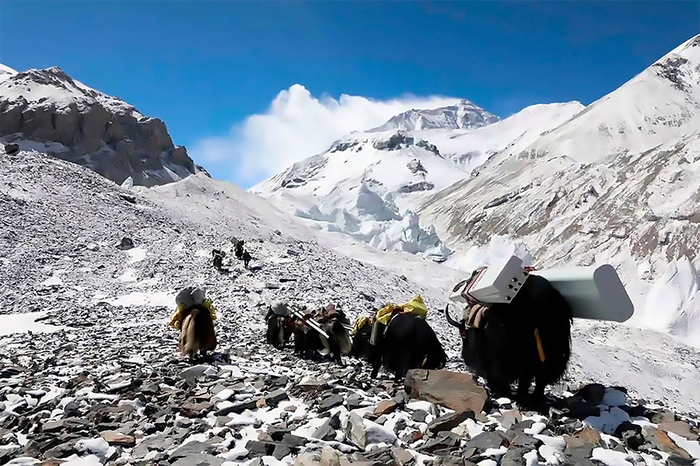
{"x": 334, "y": 347}
{"x": 404, "y": 363}
{"x": 523, "y": 388}
{"x": 375, "y": 359}
{"x": 538, "y": 394}
{"x": 499, "y": 389}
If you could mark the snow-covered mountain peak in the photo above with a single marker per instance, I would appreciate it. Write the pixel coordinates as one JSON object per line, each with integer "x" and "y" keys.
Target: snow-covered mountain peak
{"x": 659, "y": 104}
{"x": 463, "y": 115}
{"x": 53, "y": 87}
{"x": 682, "y": 66}
{"x": 6, "y": 72}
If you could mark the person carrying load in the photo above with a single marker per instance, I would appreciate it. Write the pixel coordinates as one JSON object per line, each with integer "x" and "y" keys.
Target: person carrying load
{"x": 187, "y": 298}
{"x": 194, "y": 319}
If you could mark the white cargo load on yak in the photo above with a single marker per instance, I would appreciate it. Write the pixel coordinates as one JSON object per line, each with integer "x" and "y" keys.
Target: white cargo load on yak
{"x": 594, "y": 292}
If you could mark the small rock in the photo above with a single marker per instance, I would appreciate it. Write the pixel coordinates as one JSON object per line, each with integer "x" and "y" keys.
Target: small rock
{"x": 274, "y": 398}
{"x": 419, "y": 415}
{"x": 195, "y": 409}
{"x": 330, "y": 457}
{"x": 199, "y": 460}
{"x": 486, "y": 440}
{"x": 663, "y": 416}
{"x": 294, "y": 441}
{"x": 443, "y": 441}
{"x": 681, "y": 428}
{"x": 191, "y": 449}
{"x": 11, "y": 149}
{"x": 237, "y": 408}
{"x": 402, "y": 457}
{"x": 128, "y": 198}
{"x": 518, "y": 429}
{"x": 126, "y": 243}
{"x": 353, "y": 401}
{"x": 330, "y": 402}
{"x": 631, "y": 435}
{"x": 116, "y": 438}
{"x": 660, "y": 440}
{"x": 450, "y": 421}
{"x": 511, "y": 417}
{"x": 592, "y": 393}
{"x": 324, "y": 432}
{"x": 385, "y": 407}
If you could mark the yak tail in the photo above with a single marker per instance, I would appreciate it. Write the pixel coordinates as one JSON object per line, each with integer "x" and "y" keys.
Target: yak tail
{"x": 188, "y": 338}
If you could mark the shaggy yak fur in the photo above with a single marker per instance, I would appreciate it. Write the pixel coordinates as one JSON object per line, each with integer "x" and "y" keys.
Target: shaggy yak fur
{"x": 279, "y": 329}
{"x": 197, "y": 332}
{"x": 504, "y": 348}
{"x": 407, "y": 343}
{"x": 360, "y": 343}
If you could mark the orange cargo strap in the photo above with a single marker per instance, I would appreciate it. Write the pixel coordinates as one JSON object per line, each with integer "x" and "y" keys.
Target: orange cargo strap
{"x": 539, "y": 344}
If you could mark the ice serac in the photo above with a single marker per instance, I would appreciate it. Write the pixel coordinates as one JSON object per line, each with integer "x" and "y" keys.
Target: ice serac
{"x": 48, "y": 111}
{"x": 616, "y": 183}
{"x": 365, "y": 186}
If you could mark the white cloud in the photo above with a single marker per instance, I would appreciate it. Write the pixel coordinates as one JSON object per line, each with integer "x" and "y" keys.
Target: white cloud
{"x": 296, "y": 126}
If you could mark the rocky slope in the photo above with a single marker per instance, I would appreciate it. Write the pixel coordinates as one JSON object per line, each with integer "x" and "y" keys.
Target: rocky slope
{"x": 616, "y": 183}
{"x": 98, "y": 380}
{"x": 49, "y": 111}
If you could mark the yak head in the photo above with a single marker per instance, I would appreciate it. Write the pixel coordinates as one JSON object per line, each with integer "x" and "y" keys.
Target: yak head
{"x": 462, "y": 323}
{"x": 361, "y": 334}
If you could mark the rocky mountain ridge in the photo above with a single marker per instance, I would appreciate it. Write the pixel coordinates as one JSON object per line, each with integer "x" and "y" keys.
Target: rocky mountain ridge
{"x": 47, "y": 110}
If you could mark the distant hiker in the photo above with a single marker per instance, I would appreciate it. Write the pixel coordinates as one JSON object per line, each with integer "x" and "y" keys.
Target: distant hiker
{"x": 217, "y": 258}
{"x": 194, "y": 318}
{"x": 246, "y": 258}
{"x": 239, "y": 249}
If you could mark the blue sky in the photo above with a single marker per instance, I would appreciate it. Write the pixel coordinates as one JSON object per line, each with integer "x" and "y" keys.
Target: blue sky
{"x": 204, "y": 67}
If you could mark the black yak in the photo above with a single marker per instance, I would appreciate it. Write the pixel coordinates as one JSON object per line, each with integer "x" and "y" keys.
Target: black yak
{"x": 279, "y": 329}
{"x": 407, "y": 343}
{"x": 530, "y": 337}
{"x": 308, "y": 341}
{"x": 361, "y": 335}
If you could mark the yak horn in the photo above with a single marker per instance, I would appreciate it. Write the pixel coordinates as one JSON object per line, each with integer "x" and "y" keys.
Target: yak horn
{"x": 450, "y": 320}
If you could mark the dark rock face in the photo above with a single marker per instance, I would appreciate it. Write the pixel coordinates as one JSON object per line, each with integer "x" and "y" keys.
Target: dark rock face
{"x": 97, "y": 131}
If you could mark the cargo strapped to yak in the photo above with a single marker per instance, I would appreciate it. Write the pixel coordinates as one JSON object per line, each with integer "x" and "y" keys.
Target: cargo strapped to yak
{"x": 361, "y": 322}
{"x": 414, "y": 306}
{"x": 594, "y": 292}
{"x": 188, "y": 298}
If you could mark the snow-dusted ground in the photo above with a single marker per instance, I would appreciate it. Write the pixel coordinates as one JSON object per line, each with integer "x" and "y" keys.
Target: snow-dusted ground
{"x": 61, "y": 226}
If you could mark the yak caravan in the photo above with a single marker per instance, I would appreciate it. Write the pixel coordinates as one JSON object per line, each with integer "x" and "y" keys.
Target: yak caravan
{"x": 516, "y": 326}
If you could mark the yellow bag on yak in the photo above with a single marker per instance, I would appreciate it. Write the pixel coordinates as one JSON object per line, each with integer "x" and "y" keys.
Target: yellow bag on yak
{"x": 176, "y": 320}
{"x": 414, "y": 306}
